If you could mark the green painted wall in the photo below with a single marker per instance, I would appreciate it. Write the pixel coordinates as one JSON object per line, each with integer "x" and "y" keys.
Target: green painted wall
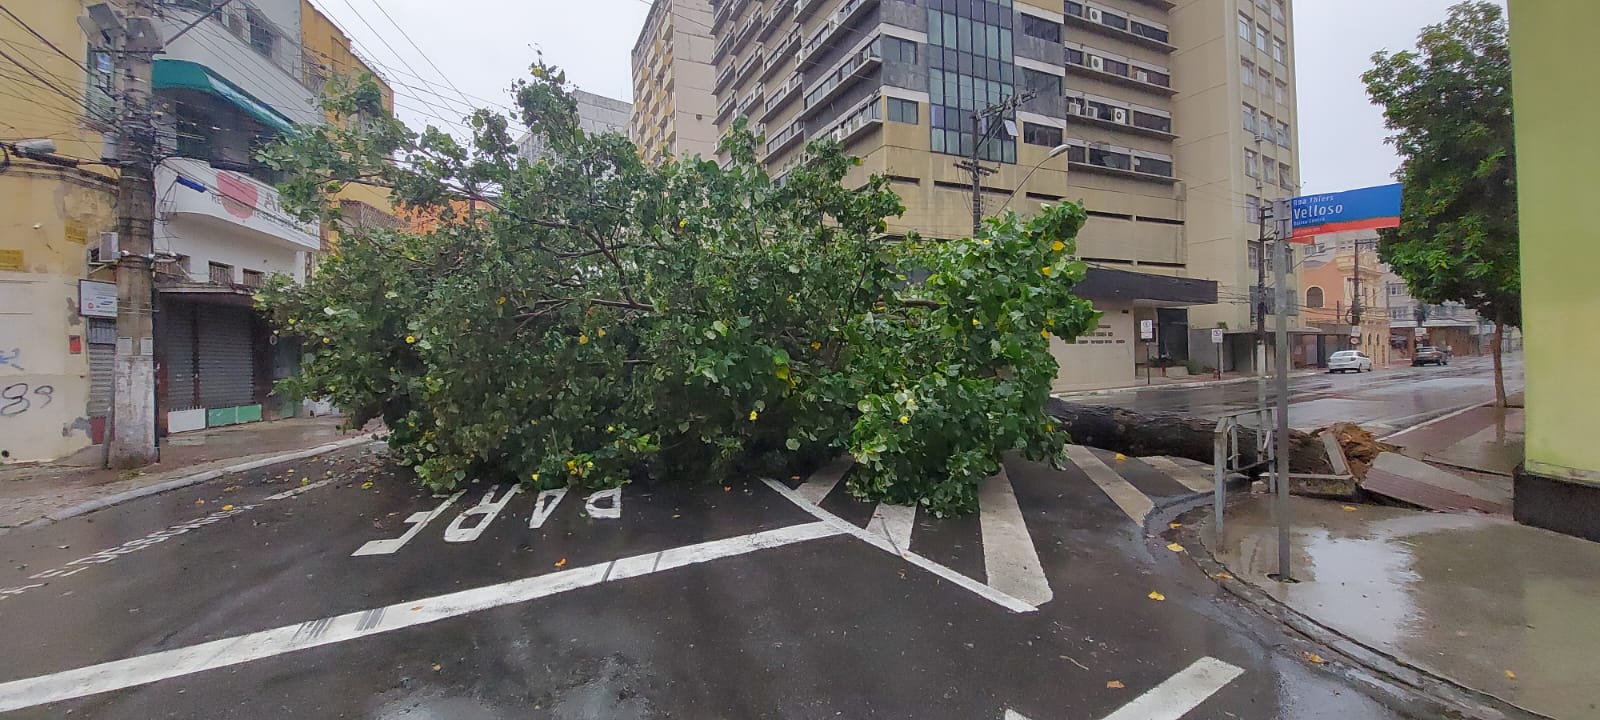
{"x": 1554, "y": 56}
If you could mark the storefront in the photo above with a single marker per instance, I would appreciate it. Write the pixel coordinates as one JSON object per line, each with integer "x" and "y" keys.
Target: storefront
{"x": 1143, "y": 324}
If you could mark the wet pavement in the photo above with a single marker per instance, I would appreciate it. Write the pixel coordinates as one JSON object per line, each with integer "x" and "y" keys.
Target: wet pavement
{"x": 1502, "y": 608}
{"x": 1383, "y": 401}
{"x": 334, "y": 588}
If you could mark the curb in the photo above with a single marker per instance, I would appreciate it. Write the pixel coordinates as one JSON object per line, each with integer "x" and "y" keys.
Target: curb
{"x": 1441, "y": 417}
{"x": 1417, "y": 689}
{"x": 187, "y": 480}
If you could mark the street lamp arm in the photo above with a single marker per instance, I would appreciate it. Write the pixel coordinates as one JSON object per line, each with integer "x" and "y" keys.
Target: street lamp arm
{"x": 1055, "y": 151}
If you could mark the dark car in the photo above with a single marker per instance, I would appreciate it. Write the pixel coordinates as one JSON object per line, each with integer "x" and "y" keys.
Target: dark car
{"x": 1429, "y": 355}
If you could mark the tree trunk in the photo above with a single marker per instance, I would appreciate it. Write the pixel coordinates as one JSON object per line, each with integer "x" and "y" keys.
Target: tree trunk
{"x": 1499, "y": 370}
{"x": 1140, "y": 434}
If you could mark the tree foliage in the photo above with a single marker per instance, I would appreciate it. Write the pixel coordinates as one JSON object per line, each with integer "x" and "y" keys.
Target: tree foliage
{"x": 589, "y": 319}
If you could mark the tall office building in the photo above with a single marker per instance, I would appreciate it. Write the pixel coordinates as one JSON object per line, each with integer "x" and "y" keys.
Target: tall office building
{"x": 672, "y": 100}
{"x": 597, "y": 114}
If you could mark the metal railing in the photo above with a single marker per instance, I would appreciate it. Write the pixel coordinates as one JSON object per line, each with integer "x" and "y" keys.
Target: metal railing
{"x": 1226, "y": 460}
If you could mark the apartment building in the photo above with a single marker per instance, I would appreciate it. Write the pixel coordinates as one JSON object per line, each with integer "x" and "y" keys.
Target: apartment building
{"x": 597, "y": 114}
{"x": 673, "y": 102}
{"x": 1330, "y": 271}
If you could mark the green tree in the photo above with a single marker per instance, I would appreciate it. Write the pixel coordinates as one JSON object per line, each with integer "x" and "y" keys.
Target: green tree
{"x": 589, "y": 319}
{"x": 1449, "y": 105}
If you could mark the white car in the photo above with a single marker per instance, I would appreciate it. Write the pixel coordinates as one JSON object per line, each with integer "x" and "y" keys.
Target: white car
{"x": 1348, "y": 360}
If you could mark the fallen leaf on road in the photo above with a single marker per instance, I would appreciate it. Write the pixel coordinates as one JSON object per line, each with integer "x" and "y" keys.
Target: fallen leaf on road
{"x": 727, "y": 488}
{"x": 199, "y": 502}
{"x": 1510, "y": 675}
{"x": 1174, "y": 547}
{"x": 561, "y": 563}
{"x": 1121, "y": 457}
{"x": 1313, "y": 657}
{"x": 1174, "y": 526}
{"x": 1222, "y": 576}
{"x": 304, "y": 480}
{"x": 1349, "y": 508}
{"x": 416, "y": 608}
{"x": 794, "y": 477}
{"x": 437, "y": 667}
{"x": 366, "y": 485}
{"x": 227, "y": 507}
{"x": 1115, "y": 684}
{"x": 1158, "y": 597}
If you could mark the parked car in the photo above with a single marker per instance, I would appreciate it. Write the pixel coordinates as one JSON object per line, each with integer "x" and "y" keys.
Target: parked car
{"x": 1348, "y": 360}
{"x": 1429, "y": 355}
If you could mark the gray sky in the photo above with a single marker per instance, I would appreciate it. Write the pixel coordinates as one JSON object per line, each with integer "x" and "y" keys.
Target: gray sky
{"x": 481, "y": 45}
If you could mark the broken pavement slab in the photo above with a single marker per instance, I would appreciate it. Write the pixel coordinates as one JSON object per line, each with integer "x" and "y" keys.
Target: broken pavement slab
{"x": 1412, "y": 481}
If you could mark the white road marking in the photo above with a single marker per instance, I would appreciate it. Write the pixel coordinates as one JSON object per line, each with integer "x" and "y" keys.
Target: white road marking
{"x": 822, "y": 481}
{"x": 1121, "y": 492}
{"x": 894, "y": 523}
{"x": 544, "y": 506}
{"x": 1010, "y": 561}
{"x": 1185, "y": 476}
{"x": 878, "y": 541}
{"x": 144, "y": 669}
{"x": 592, "y": 507}
{"x": 285, "y": 495}
{"x": 1180, "y": 693}
{"x": 486, "y": 510}
{"x": 418, "y": 520}
{"x": 1174, "y": 698}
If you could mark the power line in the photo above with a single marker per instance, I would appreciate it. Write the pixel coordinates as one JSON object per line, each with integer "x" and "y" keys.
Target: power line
{"x": 424, "y": 55}
{"x": 386, "y": 44}
{"x": 36, "y": 76}
{"x": 42, "y": 38}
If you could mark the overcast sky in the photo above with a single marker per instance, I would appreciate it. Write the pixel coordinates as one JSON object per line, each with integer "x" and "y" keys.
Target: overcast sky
{"x": 481, "y": 45}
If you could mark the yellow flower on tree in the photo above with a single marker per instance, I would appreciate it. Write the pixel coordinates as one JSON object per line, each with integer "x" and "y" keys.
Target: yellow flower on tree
{"x": 905, "y": 419}
{"x": 683, "y": 222}
{"x": 1058, "y": 246}
{"x": 1044, "y": 333}
{"x": 501, "y": 300}
{"x": 583, "y": 339}
{"x": 325, "y": 341}
{"x": 816, "y": 346}
{"x": 411, "y": 339}
{"x": 1046, "y": 270}
{"x": 601, "y": 332}
{"x": 754, "y": 415}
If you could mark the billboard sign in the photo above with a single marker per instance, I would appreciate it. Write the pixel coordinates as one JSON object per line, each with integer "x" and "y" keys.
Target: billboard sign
{"x": 1364, "y": 209}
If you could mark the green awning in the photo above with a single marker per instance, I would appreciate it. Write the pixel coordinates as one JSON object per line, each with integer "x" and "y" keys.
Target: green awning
{"x": 185, "y": 75}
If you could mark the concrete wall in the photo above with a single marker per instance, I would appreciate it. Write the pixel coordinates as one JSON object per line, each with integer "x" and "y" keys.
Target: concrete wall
{"x": 1103, "y": 358}
{"x": 274, "y": 80}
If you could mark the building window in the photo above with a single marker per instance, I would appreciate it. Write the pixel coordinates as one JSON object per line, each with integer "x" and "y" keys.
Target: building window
{"x": 1262, "y": 4}
{"x": 1247, "y": 73}
{"x": 1314, "y": 297}
{"x": 1077, "y": 154}
{"x": 1254, "y": 261}
{"x": 1283, "y": 133}
{"x": 1111, "y": 159}
{"x": 1152, "y": 166}
{"x": 1244, "y": 27}
{"x": 1045, "y": 84}
{"x": 1280, "y": 52}
{"x": 902, "y": 111}
{"x": 899, "y": 50}
{"x": 1154, "y": 77}
{"x": 1252, "y": 209}
{"x": 1149, "y": 31}
{"x": 1285, "y": 177}
{"x": 1249, "y": 119}
{"x": 1265, "y": 81}
{"x": 1075, "y": 57}
{"x": 1148, "y": 121}
{"x": 1261, "y": 38}
{"x": 1041, "y": 28}
{"x": 254, "y": 278}
{"x": 261, "y": 37}
{"x": 970, "y": 68}
{"x": 1266, "y": 126}
{"x": 1113, "y": 20}
{"x": 1281, "y": 92}
{"x": 1116, "y": 67}
{"x": 1043, "y": 135}
{"x": 1250, "y": 163}
{"x": 220, "y": 274}
{"x": 1277, "y": 10}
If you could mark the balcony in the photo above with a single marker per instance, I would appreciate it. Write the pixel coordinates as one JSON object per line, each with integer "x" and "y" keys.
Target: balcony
{"x": 1093, "y": 66}
{"x": 723, "y": 77}
{"x": 722, "y": 48}
{"x": 846, "y": 14}
{"x": 1080, "y": 113}
{"x": 785, "y": 138}
{"x": 748, "y": 101}
{"x": 781, "y": 96}
{"x": 849, "y": 70}
{"x": 724, "y": 109}
{"x": 723, "y": 13}
{"x": 1100, "y": 21}
{"x": 864, "y": 116}
{"x": 803, "y": 8}
{"x": 1119, "y": 172}
{"x": 770, "y": 24}
{"x": 742, "y": 35}
{"x": 776, "y": 58}
{"x": 755, "y": 60}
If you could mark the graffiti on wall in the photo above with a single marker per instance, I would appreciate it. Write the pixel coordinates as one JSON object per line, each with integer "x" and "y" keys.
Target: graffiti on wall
{"x": 9, "y": 359}
{"x": 18, "y": 398}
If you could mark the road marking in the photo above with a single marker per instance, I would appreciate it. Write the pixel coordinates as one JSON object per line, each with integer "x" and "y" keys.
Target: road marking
{"x": 1121, "y": 492}
{"x": 1185, "y": 476}
{"x": 145, "y": 669}
{"x": 285, "y": 495}
{"x": 592, "y": 507}
{"x": 894, "y": 523}
{"x": 417, "y": 520}
{"x": 1173, "y": 699}
{"x": 487, "y": 509}
{"x": 1010, "y": 560}
{"x": 821, "y": 482}
{"x": 878, "y": 541}
{"x": 544, "y": 506}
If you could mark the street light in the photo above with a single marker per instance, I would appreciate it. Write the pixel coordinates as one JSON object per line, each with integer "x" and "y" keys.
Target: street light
{"x": 1057, "y": 150}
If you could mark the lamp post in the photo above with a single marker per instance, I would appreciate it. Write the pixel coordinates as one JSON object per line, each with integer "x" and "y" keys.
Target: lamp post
{"x": 1054, "y": 152}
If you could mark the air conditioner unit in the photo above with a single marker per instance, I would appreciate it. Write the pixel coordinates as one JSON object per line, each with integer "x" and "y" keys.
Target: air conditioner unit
{"x": 1094, "y": 15}
{"x": 1097, "y": 62}
{"x": 1119, "y": 115}
{"x": 106, "y": 248}
{"x": 1075, "y": 109}
{"x": 1141, "y": 76}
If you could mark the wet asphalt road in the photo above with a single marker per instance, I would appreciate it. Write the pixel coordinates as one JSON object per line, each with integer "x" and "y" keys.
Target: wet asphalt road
{"x": 230, "y": 600}
{"x": 1384, "y": 401}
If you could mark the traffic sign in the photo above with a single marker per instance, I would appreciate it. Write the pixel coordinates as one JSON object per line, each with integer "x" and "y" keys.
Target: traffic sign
{"x": 1147, "y": 329}
{"x": 1216, "y": 336}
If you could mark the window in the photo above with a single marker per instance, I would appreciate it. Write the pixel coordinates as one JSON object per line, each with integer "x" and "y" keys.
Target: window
{"x": 1041, "y": 28}
{"x": 969, "y": 67}
{"x": 1150, "y": 31}
{"x": 1255, "y": 260}
{"x": 1247, "y": 73}
{"x": 1249, "y": 119}
{"x": 1313, "y": 297}
{"x": 1285, "y": 177}
{"x": 1116, "y": 67}
{"x": 902, "y": 111}
{"x": 1075, "y": 57}
{"x": 1073, "y": 8}
{"x": 1266, "y": 80}
{"x": 1261, "y": 38}
{"x": 899, "y": 50}
{"x": 1252, "y": 209}
{"x": 1280, "y": 52}
{"x": 1277, "y": 10}
{"x": 1110, "y": 159}
{"x": 1244, "y": 27}
{"x": 1154, "y": 77}
{"x": 1281, "y": 92}
{"x": 1283, "y": 133}
{"x": 261, "y": 37}
{"x": 1250, "y": 163}
{"x": 1263, "y": 4}
{"x": 1045, "y": 84}
{"x": 1041, "y": 135}
{"x": 254, "y": 278}
{"x": 1266, "y": 126}
{"x": 1148, "y": 121}
{"x": 1077, "y": 153}
{"x": 1153, "y": 166}
{"x": 220, "y": 274}
{"x": 1117, "y": 21}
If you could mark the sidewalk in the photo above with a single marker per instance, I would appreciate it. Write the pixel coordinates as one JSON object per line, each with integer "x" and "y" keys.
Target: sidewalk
{"x": 29, "y": 492}
{"x": 1157, "y": 382}
{"x": 1489, "y": 605}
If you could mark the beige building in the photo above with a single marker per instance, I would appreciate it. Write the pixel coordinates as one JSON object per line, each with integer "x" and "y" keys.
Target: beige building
{"x": 1111, "y": 92}
{"x": 672, "y": 100}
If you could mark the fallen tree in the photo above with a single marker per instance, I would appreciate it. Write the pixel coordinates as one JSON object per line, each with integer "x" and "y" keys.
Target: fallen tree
{"x": 1143, "y": 434}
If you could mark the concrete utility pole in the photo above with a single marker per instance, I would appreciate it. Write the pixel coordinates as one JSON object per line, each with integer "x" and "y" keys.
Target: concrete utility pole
{"x": 979, "y": 134}
{"x": 1280, "y": 271}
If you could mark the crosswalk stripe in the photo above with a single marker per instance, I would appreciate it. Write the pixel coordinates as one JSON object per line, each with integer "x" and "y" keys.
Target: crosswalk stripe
{"x": 894, "y": 523}
{"x": 1185, "y": 476}
{"x": 1121, "y": 492}
{"x": 821, "y": 482}
{"x": 1180, "y": 693}
{"x": 1009, "y": 558}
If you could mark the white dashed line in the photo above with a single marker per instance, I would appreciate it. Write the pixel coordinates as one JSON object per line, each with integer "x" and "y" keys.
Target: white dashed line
{"x": 1185, "y": 476}
{"x": 1121, "y": 492}
{"x": 1009, "y": 558}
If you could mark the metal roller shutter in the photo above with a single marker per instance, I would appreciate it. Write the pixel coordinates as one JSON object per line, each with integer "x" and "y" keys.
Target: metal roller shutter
{"x": 227, "y": 362}
{"x": 102, "y": 353}
{"x": 175, "y": 335}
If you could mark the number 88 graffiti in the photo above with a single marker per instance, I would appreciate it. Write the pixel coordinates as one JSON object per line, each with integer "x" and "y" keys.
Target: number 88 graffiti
{"x": 15, "y": 400}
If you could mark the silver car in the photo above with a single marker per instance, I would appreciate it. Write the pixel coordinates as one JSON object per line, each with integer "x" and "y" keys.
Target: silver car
{"x": 1348, "y": 360}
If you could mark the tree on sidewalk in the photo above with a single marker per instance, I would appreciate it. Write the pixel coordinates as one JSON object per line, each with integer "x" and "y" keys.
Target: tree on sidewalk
{"x": 1449, "y": 105}
{"x": 589, "y": 319}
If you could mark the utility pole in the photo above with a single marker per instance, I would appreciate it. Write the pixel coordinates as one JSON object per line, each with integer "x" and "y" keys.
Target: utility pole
{"x": 1280, "y": 271}
{"x": 979, "y": 134}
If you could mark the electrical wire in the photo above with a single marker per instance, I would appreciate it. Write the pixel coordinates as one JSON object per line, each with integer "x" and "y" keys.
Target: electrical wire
{"x": 424, "y": 55}
{"x": 386, "y": 44}
{"x": 42, "y": 38}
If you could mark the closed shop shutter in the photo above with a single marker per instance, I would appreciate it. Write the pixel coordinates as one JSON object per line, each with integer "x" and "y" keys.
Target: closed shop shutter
{"x": 102, "y": 353}
{"x": 175, "y": 338}
{"x": 227, "y": 367}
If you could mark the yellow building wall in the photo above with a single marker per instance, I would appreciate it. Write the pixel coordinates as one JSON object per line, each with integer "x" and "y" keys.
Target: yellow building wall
{"x": 47, "y": 215}
{"x": 323, "y": 42}
{"x": 1557, "y": 152}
